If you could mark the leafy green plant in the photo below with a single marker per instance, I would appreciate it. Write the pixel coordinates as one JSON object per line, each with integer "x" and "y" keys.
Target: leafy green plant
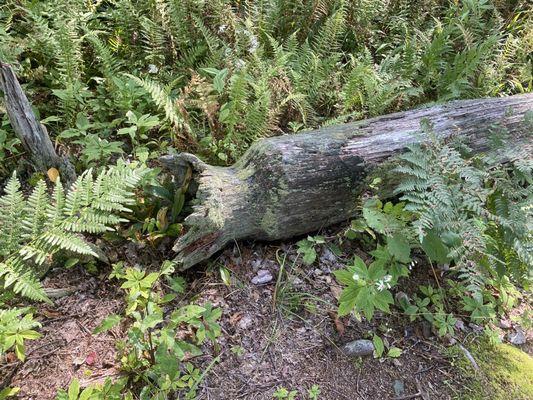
{"x": 16, "y": 326}
{"x": 307, "y": 248}
{"x": 138, "y": 126}
{"x": 9, "y": 146}
{"x": 367, "y": 288}
{"x": 283, "y": 393}
{"x": 109, "y": 390}
{"x": 35, "y": 229}
{"x": 313, "y": 392}
{"x": 155, "y": 351}
{"x": 219, "y": 75}
{"x": 380, "y": 346}
{"x": 471, "y": 212}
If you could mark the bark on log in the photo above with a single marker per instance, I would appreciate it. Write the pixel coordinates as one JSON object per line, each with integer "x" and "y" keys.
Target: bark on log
{"x": 28, "y": 129}
{"x": 290, "y": 185}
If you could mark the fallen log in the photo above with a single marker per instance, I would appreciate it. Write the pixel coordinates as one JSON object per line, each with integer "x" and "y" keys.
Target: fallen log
{"x": 290, "y": 185}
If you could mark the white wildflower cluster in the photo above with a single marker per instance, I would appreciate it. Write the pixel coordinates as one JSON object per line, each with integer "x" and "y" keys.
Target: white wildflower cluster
{"x": 384, "y": 283}
{"x": 254, "y": 42}
{"x": 239, "y": 64}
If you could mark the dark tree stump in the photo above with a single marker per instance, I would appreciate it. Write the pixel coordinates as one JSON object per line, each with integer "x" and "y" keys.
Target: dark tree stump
{"x": 289, "y": 185}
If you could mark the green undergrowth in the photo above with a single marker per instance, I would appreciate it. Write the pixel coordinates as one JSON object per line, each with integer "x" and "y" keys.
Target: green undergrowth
{"x": 506, "y": 372}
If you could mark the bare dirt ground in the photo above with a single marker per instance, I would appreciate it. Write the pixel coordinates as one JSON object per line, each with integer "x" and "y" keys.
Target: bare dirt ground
{"x": 283, "y": 333}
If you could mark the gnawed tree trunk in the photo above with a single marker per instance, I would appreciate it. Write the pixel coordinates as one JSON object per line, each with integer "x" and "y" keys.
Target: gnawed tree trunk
{"x": 28, "y": 129}
{"x": 289, "y": 185}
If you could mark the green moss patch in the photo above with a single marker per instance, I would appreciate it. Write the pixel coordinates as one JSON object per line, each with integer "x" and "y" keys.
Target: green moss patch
{"x": 506, "y": 372}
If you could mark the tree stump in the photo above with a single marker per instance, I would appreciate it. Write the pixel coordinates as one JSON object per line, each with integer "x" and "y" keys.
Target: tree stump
{"x": 290, "y": 185}
{"x": 28, "y": 129}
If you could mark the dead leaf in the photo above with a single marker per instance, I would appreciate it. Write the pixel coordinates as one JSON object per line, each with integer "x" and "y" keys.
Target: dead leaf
{"x": 11, "y": 357}
{"x": 235, "y": 318}
{"x": 53, "y": 174}
{"x": 336, "y": 291}
{"x": 339, "y": 325}
{"x": 91, "y": 358}
{"x": 51, "y": 314}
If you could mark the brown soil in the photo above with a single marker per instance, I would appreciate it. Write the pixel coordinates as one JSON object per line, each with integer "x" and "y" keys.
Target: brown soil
{"x": 274, "y": 335}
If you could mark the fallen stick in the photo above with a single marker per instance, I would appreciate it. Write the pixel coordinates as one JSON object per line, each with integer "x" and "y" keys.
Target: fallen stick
{"x": 290, "y": 185}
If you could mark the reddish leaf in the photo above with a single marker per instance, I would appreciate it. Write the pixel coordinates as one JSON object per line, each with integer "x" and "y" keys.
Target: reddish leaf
{"x": 91, "y": 358}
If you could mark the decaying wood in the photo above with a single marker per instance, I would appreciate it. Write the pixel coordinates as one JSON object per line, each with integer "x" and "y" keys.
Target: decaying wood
{"x": 28, "y": 129}
{"x": 290, "y": 185}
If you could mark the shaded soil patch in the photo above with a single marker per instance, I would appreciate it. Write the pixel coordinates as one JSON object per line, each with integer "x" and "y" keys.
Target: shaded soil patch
{"x": 67, "y": 348}
{"x": 283, "y": 333}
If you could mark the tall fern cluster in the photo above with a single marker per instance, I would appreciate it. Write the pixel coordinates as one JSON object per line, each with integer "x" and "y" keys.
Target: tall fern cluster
{"x": 34, "y": 229}
{"x": 222, "y": 73}
{"x": 472, "y": 212}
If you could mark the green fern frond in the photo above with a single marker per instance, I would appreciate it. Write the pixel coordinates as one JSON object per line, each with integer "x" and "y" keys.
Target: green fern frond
{"x": 35, "y": 229}
{"x": 163, "y": 101}
{"x": 12, "y": 216}
{"x": 14, "y": 275}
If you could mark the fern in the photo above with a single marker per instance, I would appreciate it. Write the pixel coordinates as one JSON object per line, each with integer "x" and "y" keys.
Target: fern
{"x": 164, "y": 101}
{"x": 477, "y": 207}
{"x": 34, "y": 229}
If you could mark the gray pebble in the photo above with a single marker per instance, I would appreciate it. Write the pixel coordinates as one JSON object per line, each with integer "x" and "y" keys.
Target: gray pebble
{"x": 263, "y": 276}
{"x": 357, "y": 348}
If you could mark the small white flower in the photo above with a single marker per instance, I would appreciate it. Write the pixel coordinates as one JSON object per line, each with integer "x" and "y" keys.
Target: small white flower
{"x": 254, "y": 44}
{"x": 222, "y": 28}
{"x": 387, "y": 278}
{"x": 152, "y": 69}
{"x": 380, "y": 285}
{"x": 356, "y": 277}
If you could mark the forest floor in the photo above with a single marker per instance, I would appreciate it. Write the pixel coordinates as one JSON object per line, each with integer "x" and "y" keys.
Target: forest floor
{"x": 283, "y": 333}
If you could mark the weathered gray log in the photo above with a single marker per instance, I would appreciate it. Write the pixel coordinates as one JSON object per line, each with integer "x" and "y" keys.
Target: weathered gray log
{"x": 28, "y": 129}
{"x": 290, "y": 185}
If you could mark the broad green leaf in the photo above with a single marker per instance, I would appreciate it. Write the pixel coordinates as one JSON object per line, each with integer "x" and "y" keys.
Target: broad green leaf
{"x": 74, "y": 390}
{"x": 107, "y": 324}
{"x": 8, "y": 392}
{"x": 394, "y": 352}
{"x": 435, "y": 248}
{"x": 399, "y": 247}
{"x": 379, "y": 347}
{"x": 382, "y": 299}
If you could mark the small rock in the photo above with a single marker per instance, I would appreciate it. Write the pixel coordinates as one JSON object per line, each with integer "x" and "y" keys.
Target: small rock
{"x": 402, "y": 299}
{"x": 357, "y": 348}
{"x": 399, "y": 387}
{"x": 449, "y": 340}
{"x": 296, "y": 281}
{"x": 459, "y": 324}
{"x": 426, "y": 329}
{"x": 255, "y": 264}
{"x": 245, "y": 322}
{"x": 505, "y": 324}
{"x": 263, "y": 276}
{"x": 475, "y": 328}
{"x": 518, "y": 337}
{"x": 328, "y": 256}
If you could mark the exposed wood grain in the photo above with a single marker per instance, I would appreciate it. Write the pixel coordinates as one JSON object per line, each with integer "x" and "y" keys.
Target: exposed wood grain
{"x": 28, "y": 129}
{"x": 290, "y": 185}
